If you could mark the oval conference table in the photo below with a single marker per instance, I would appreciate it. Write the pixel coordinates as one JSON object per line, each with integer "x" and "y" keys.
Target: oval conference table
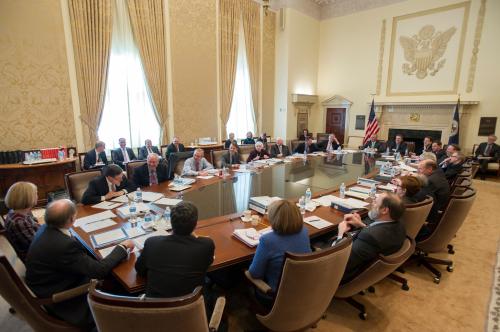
{"x": 221, "y": 201}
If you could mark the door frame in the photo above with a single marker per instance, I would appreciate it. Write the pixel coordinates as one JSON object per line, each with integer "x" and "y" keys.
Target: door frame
{"x": 338, "y": 101}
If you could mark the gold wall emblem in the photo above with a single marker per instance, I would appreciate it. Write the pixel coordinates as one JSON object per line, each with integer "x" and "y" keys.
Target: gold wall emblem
{"x": 424, "y": 51}
{"x": 415, "y": 117}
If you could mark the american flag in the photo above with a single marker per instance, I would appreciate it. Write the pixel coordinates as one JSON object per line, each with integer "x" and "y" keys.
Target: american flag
{"x": 372, "y": 127}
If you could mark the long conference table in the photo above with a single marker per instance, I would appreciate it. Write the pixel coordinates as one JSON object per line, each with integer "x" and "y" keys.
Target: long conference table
{"x": 221, "y": 201}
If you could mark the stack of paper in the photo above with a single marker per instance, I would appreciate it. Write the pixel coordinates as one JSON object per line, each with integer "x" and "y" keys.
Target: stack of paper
{"x": 311, "y": 206}
{"x": 359, "y": 189}
{"x": 261, "y": 203}
{"x": 317, "y": 222}
{"x": 250, "y": 236}
{"x": 356, "y": 194}
{"x": 180, "y": 187}
{"x": 125, "y": 213}
{"x": 105, "y": 205}
{"x": 349, "y": 202}
{"x": 324, "y": 200}
{"x": 139, "y": 242}
{"x": 95, "y": 217}
{"x": 388, "y": 187}
{"x": 96, "y": 225}
{"x": 206, "y": 177}
{"x": 134, "y": 232}
{"x": 168, "y": 201}
{"x": 113, "y": 236}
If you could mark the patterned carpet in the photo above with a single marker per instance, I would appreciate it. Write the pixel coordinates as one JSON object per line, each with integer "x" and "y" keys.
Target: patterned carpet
{"x": 494, "y": 310}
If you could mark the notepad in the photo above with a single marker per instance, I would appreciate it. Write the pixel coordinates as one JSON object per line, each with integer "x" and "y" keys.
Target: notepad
{"x": 179, "y": 188}
{"x": 250, "y": 236}
{"x": 317, "y": 222}
{"x": 311, "y": 206}
{"x": 103, "y": 239}
{"x": 94, "y": 217}
{"x": 168, "y": 201}
{"x": 96, "y": 225}
{"x": 105, "y": 205}
{"x": 205, "y": 177}
{"x": 134, "y": 232}
{"x": 139, "y": 241}
{"x": 106, "y": 251}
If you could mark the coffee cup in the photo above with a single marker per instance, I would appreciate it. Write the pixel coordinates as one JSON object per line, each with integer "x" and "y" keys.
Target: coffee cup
{"x": 247, "y": 215}
{"x": 255, "y": 220}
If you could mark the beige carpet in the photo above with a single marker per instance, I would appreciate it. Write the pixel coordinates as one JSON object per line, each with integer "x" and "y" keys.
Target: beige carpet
{"x": 459, "y": 303}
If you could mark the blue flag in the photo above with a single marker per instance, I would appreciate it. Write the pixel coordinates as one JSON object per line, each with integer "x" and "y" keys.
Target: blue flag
{"x": 455, "y": 126}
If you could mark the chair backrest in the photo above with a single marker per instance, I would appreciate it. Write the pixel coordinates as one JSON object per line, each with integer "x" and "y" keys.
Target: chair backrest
{"x": 415, "y": 216}
{"x": 131, "y": 166}
{"x": 294, "y": 144}
{"x": 163, "y": 150}
{"x": 410, "y": 146}
{"x": 308, "y": 283}
{"x": 77, "y": 183}
{"x": 245, "y": 151}
{"x": 81, "y": 157}
{"x": 123, "y": 313}
{"x": 269, "y": 146}
{"x": 20, "y": 298}
{"x": 176, "y": 162}
{"x": 217, "y": 157}
{"x": 377, "y": 270}
{"x": 322, "y": 137}
{"x": 451, "y": 221}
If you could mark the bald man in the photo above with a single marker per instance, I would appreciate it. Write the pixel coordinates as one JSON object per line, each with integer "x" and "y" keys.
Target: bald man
{"x": 56, "y": 262}
{"x": 152, "y": 172}
{"x": 279, "y": 149}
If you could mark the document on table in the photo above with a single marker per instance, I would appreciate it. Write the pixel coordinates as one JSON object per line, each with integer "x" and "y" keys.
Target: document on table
{"x": 168, "y": 201}
{"x": 96, "y": 225}
{"x": 179, "y": 188}
{"x": 121, "y": 199}
{"x": 205, "y": 177}
{"x": 124, "y": 210}
{"x": 139, "y": 242}
{"x": 317, "y": 222}
{"x": 351, "y": 202}
{"x": 95, "y": 217}
{"x": 105, "y": 238}
{"x": 359, "y": 189}
{"x": 388, "y": 187}
{"x": 106, "y": 251}
{"x": 134, "y": 232}
{"x": 356, "y": 194}
{"x": 324, "y": 200}
{"x": 105, "y": 205}
{"x": 147, "y": 196}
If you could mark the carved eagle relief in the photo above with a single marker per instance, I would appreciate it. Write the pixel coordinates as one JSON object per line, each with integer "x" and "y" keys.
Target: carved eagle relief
{"x": 424, "y": 51}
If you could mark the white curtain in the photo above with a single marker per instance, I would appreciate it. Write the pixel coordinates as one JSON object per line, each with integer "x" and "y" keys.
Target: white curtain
{"x": 128, "y": 111}
{"x": 242, "y": 190}
{"x": 242, "y": 117}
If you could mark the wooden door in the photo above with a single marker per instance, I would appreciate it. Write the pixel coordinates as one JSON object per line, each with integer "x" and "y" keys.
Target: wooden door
{"x": 335, "y": 122}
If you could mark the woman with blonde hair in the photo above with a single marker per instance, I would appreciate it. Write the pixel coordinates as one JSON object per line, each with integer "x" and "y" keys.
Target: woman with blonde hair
{"x": 20, "y": 224}
{"x": 289, "y": 234}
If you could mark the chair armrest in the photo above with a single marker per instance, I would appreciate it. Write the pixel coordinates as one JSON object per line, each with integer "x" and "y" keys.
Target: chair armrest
{"x": 70, "y": 293}
{"x": 217, "y": 314}
{"x": 259, "y": 283}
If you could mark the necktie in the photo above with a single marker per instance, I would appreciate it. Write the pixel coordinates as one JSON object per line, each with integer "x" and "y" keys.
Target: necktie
{"x": 153, "y": 177}
{"x": 487, "y": 150}
{"x": 149, "y": 151}
{"x": 98, "y": 157}
{"x": 125, "y": 155}
{"x": 111, "y": 187}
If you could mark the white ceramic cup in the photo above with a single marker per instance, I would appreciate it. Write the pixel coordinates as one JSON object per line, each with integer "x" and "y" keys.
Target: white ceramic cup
{"x": 247, "y": 214}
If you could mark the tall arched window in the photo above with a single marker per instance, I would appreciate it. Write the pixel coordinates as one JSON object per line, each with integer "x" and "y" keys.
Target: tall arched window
{"x": 242, "y": 116}
{"x": 128, "y": 111}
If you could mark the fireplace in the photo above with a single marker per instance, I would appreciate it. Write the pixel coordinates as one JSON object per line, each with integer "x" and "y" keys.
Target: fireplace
{"x": 414, "y": 135}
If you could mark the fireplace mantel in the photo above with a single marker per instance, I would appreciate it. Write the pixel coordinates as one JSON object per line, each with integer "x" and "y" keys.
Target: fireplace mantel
{"x": 425, "y": 103}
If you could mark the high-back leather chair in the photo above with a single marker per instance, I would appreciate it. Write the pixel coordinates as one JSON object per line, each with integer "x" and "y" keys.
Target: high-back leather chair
{"x": 131, "y": 166}
{"x": 453, "y": 217}
{"x": 176, "y": 162}
{"x": 217, "y": 157}
{"x": 410, "y": 146}
{"x": 81, "y": 157}
{"x": 123, "y": 313}
{"x": 77, "y": 183}
{"x": 22, "y": 300}
{"x": 415, "y": 216}
{"x": 380, "y": 268}
{"x": 294, "y": 144}
{"x": 269, "y": 146}
{"x": 307, "y": 285}
{"x": 245, "y": 151}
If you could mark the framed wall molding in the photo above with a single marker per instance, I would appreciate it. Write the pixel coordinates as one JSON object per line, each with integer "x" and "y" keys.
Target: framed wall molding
{"x": 426, "y": 51}
{"x": 475, "y": 51}
{"x": 380, "y": 57}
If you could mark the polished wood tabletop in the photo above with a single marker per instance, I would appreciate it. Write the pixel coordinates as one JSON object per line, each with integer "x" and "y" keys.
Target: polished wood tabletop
{"x": 228, "y": 249}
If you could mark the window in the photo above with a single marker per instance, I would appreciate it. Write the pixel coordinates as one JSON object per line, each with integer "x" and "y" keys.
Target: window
{"x": 241, "y": 117}
{"x": 128, "y": 111}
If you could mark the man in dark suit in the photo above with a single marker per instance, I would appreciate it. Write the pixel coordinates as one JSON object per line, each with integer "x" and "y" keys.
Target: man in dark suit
{"x": 329, "y": 145}
{"x": 381, "y": 234}
{"x": 437, "y": 187}
{"x": 232, "y": 157}
{"x": 374, "y": 144}
{"x": 279, "y": 150}
{"x": 427, "y": 145}
{"x": 229, "y": 141}
{"x": 57, "y": 262}
{"x": 147, "y": 149}
{"x": 171, "y": 275}
{"x": 487, "y": 152}
{"x": 398, "y": 145}
{"x": 123, "y": 155}
{"x": 152, "y": 172}
{"x": 107, "y": 186}
{"x": 258, "y": 153}
{"x": 96, "y": 157}
{"x": 308, "y": 145}
{"x": 175, "y": 146}
{"x": 305, "y": 134}
{"x": 437, "y": 149}
{"x": 453, "y": 166}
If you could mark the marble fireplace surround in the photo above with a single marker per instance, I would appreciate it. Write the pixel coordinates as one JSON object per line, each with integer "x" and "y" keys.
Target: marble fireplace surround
{"x": 430, "y": 115}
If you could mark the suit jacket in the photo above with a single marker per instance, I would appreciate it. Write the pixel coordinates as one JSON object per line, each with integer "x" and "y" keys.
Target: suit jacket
{"x": 234, "y": 161}
{"x": 171, "y": 148}
{"x": 254, "y": 154}
{"x": 275, "y": 151}
{"x": 228, "y": 142}
{"x": 427, "y": 148}
{"x": 174, "y": 265}
{"x": 437, "y": 187}
{"x": 377, "y": 145}
{"x": 300, "y": 148}
{"x": 90, "y": 159}
{"x": 118, "y": 157}
{"x": 452, "y": 170}
{"x": 98, "y": 187}
{"x": 248, "y": 141}
{"x": 494, "y": 151}
{"x": 385, "y": 238}
{"x": 401, "y": 149}
{"x": 440, "y": 156}
{"x": 57, "y": 262}
{"x": 143, "y": 152}
{"x": 141, "y": 174}
{"x": 323, "y": 145}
